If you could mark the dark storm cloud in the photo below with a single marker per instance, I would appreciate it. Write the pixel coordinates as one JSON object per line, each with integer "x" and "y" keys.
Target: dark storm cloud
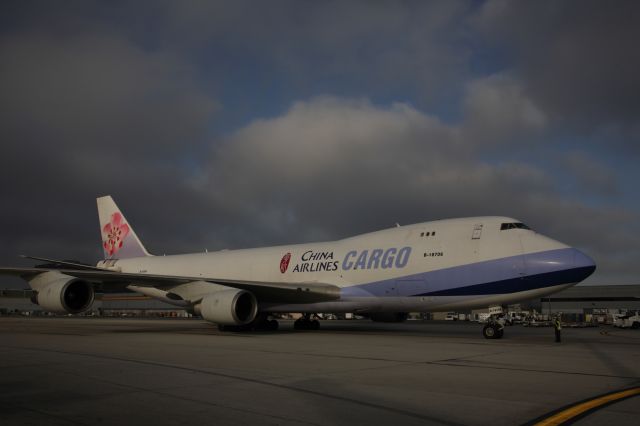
{"x": 83, "y": 116}
{"x": 591, "y": 175}
{"x": 578, "y": 59}
{"x": 352, "y": 48}
{"x": 126, "y": 99}
{"x": 498, "y": 112}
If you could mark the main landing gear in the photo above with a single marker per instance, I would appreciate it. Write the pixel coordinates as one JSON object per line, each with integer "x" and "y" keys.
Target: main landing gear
{"x": 306, "y": 323}
{"x": 493, "y": 330}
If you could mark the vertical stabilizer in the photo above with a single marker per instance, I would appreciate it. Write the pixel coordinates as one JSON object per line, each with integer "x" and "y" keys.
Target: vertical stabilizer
{"x": 119, "y": 240}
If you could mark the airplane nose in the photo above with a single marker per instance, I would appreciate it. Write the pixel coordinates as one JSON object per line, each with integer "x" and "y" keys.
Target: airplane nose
{"x": 583, "y": 264}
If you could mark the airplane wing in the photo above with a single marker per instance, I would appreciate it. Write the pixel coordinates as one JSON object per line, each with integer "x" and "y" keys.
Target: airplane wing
{"x": 298, "y": 292}
{"x": 15, "y": 293}
{"x": 54, "y": 263}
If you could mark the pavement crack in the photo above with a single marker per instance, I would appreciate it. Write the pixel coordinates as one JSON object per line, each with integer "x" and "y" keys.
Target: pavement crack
{"x": 43, "y": 413}
{"x": 392, "y": 410}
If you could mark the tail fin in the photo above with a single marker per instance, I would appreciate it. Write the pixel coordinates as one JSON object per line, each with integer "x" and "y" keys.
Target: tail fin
{"x": 119, "y": 240}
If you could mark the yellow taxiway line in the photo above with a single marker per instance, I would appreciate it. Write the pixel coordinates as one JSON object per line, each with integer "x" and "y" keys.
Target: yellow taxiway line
{"x": 583, "y": 407}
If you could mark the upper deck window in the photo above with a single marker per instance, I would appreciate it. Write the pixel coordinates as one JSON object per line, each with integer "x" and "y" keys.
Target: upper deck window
{"x": 506, "y": 226}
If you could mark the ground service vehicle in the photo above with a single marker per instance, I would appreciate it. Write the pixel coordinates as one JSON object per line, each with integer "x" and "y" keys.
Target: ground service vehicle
{"x": 629, "y": 320}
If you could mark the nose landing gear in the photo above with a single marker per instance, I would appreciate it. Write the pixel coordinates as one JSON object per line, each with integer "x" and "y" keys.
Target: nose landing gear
{"x": 493, "y": 330}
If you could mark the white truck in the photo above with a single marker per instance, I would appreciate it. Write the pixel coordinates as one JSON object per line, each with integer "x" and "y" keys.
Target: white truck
{"x": 454, "y": 316}
{"x": 509, "y": 318}
{"x": 629, "y": 320}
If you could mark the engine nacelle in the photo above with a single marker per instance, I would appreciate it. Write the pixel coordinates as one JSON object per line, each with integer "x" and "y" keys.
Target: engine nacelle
{"x": 61, "y": 293}
{"x": 389, "y": 317}
{"x": 228, "y": 307}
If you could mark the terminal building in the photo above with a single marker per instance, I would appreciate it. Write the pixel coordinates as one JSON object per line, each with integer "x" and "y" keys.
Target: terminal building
{"x": 591, "y": 300}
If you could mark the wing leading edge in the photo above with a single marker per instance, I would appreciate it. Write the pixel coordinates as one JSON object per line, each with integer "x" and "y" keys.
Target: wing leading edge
{"x": 299, "y": 292}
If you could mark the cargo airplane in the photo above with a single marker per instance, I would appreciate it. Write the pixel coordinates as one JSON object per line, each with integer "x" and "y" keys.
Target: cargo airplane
{"x": 443, "y": 265}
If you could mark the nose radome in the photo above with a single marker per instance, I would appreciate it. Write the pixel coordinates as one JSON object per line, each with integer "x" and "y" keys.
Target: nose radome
{"x": 583, "y": 262}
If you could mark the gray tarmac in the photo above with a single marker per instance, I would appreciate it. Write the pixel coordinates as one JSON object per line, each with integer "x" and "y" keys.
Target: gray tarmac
{"x": 88, "y": 371}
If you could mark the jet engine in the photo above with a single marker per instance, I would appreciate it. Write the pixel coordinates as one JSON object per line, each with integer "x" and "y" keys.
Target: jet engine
{"x": 389, "y": 317}
{"x": 228, "y": 307}
{"x": 61, "y": 294}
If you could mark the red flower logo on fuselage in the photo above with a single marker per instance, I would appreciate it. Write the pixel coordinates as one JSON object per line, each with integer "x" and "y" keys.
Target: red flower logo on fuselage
{"x": 284, "y": 263}
{"x": 114, "y": 234}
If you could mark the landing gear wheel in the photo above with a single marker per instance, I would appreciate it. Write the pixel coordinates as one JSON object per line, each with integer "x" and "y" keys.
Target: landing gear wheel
{"x": 273, "y": 325}
{"x": 492, "y": 331}
{"x": 489, "y": 332}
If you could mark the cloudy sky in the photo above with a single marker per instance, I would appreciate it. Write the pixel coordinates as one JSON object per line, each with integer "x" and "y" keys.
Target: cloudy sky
{"x": 238, "y": 124}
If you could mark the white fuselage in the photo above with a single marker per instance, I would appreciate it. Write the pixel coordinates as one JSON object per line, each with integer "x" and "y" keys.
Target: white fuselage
{"x": 446, "y": 264}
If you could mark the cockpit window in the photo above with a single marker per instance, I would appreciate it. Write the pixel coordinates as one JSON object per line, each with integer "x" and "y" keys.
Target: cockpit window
{"x": 506, "y": 226}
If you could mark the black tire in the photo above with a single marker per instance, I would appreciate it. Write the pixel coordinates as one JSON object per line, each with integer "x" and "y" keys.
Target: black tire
{"x": 489, "y": 332}
{"x": 635, "y": 325}
{"x": 500, "y": 333}
{"x": 314, "y": 325}
{"x": 273, "y": 325}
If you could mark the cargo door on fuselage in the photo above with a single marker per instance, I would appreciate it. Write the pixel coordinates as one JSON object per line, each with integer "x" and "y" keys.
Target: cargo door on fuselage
{"x": 476, "y": 237}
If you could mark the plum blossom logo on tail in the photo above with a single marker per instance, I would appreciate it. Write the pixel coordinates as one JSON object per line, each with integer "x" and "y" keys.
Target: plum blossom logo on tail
{"x": 284, "y": 263}
{"x": 114, "y": 233}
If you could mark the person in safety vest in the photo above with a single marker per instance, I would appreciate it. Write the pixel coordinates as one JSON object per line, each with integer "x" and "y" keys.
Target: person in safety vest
{"x": 557, "y": 327}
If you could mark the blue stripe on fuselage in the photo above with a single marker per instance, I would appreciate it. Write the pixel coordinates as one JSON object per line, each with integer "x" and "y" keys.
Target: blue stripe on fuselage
{"x": 514, "y": 285}
{"x": 499, "y": 276}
